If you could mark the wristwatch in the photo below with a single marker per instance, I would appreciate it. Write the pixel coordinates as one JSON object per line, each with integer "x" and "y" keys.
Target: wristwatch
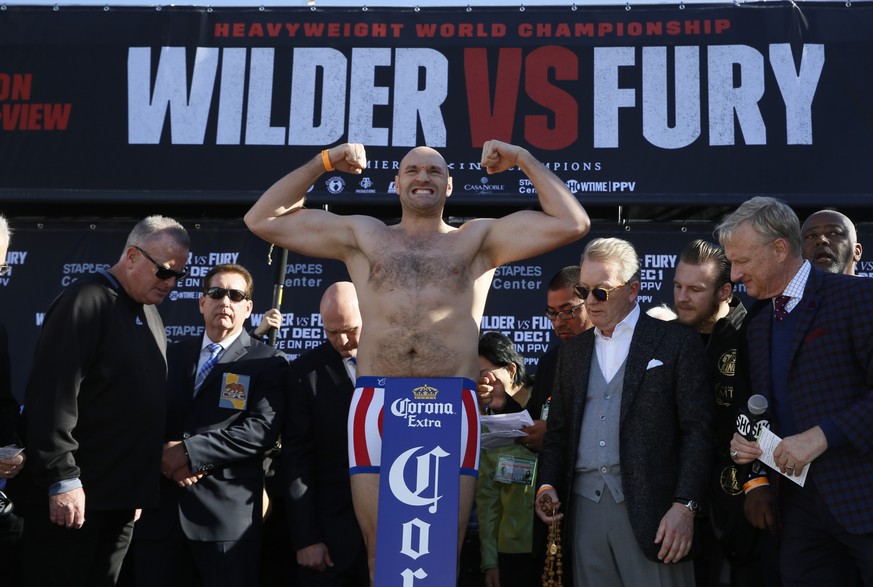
{"x": 692, "y": 505}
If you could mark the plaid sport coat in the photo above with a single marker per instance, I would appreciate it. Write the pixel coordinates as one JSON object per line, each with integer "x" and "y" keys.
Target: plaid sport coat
{"x": 830, "y": 376}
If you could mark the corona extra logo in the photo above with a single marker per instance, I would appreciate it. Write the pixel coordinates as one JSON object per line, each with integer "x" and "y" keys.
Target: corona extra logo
{"x": 425, "y": 392}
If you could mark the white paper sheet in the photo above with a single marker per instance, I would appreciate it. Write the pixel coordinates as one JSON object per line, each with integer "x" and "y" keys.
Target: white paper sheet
{"x": 768, "y": 442}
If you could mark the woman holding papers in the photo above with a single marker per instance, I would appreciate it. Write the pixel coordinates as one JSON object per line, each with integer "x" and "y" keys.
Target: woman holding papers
{"x": 505, "y": 492}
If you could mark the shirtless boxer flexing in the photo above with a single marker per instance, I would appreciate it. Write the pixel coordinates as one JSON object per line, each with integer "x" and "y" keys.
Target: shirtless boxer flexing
{"x": 421, "y": 283}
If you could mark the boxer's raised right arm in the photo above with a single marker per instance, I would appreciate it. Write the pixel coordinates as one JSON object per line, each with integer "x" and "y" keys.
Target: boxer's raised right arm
{"x": 280, "y": 217}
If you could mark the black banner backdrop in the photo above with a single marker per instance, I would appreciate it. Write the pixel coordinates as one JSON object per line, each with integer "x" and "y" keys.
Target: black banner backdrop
{"x": 47, "y": 256}
{"x": 699, "y": 104}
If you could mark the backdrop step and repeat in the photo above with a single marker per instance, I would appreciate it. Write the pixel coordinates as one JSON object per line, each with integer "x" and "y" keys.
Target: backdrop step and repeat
{"x": 47, "y": 256}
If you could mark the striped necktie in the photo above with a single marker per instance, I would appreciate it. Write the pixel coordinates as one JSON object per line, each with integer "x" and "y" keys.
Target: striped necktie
{"x": 214, "y": 353}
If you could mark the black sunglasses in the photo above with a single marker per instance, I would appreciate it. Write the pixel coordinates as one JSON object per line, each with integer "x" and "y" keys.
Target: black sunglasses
{"x": 218, "y": 293}
{"x": 601, "y": 294}
{"x": 162, "y": 273}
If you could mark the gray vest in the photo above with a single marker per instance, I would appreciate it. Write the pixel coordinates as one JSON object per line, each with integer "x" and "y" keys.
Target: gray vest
{"x": 597, "y": 460}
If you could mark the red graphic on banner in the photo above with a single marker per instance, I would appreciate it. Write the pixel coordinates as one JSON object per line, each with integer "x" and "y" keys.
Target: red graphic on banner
{"x": 17, "y": 113}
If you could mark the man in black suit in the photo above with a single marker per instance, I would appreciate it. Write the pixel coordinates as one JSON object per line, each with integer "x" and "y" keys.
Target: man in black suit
{"x": 10, "y": 408}
{"x": 94, "y": 412}
{"x": 315, "y": 464}
{"x": 628, "y": 444}
{"x": 225, "y": 398}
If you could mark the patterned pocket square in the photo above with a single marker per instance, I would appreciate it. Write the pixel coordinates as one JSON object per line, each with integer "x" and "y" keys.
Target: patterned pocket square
{"x": 815, "y": 334}
{"x": 653, "y": 363}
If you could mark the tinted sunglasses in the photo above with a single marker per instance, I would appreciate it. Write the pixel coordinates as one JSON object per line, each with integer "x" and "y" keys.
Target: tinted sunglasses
{"x": 601, "y": 294}
{"x": 218, "y": 293}
{"x": 161, "y": 272}
{"x": 4, "y": 268}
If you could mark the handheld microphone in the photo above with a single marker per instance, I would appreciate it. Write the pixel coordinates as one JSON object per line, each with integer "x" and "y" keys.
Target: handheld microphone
{"x": 748, "y": 424}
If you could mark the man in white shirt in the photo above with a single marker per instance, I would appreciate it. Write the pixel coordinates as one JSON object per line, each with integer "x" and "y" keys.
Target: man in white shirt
{"x": 629, "y": 437}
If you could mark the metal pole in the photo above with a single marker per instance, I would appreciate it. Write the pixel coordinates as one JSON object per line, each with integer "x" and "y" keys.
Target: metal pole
{"x": 278, "y": 290}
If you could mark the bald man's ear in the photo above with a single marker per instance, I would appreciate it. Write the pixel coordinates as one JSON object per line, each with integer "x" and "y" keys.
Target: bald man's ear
{"x": 857, "y": 255}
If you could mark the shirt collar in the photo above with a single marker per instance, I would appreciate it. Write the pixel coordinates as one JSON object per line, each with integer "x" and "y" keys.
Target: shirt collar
{"x": 797, "y": 285}
{"x": 224, "y": 344}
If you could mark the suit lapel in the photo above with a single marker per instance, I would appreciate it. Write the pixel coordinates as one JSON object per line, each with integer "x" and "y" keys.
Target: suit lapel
{"x": 643, "y": 347}
{"x": 582, "y": 366}
{"x": 336, "y": 364}
{"x": 758, "y": 337}
{"x": 806, "y": 310}
{"x": 235, "y": 352}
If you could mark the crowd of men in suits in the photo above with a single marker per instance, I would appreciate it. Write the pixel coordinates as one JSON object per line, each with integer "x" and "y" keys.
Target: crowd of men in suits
{"x": 639, "y": 448}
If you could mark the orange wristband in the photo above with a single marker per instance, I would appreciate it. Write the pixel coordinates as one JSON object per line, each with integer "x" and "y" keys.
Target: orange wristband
{"x": 543, "y": 488}
{"x": 756, "y": 482}
{"x": 325, "y": 159}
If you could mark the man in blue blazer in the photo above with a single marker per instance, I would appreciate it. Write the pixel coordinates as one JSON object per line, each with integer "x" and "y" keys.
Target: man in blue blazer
{"x": 628, "y": 444}
{"x": 811, "y": 354}
{"x": 225, "y": 400}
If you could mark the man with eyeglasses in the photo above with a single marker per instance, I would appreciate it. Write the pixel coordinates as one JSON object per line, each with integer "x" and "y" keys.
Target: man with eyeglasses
{"x": 569, "y": 318}
{"x": 628, "y": 442}
{"x": 95, "y": 412}
{"x": 422, "y": 283}
{"x": 225, "y": 399}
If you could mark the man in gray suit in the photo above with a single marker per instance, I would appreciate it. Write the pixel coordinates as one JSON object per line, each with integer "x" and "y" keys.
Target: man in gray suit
{"x": 629, "y": 442}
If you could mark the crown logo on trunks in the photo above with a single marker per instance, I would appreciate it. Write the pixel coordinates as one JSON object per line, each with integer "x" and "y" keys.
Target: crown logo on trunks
{"x": 425, "y": 392}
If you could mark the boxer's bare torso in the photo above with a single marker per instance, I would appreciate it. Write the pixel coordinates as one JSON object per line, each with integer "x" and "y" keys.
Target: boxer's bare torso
{"x": 421, "y": 298}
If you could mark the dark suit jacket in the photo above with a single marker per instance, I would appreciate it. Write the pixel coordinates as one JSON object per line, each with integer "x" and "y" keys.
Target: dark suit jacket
{"x": 831, "y": 376}
{"x": 9, "y": 406}
{"x": 665, "y": 424}
{"x": 94, "y": 403}
{"x": 315, "y": 461}
{"x": 227, "y": 444}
